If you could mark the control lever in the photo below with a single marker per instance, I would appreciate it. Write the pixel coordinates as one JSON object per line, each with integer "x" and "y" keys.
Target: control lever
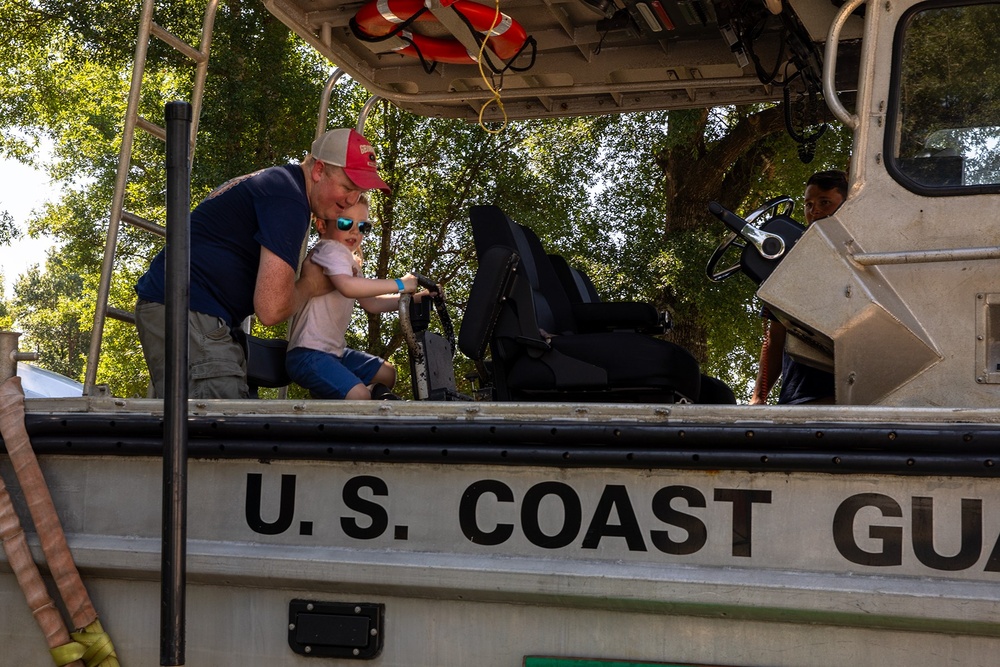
{"x": 770, "y": 246}
{"x": 427, "y": 284}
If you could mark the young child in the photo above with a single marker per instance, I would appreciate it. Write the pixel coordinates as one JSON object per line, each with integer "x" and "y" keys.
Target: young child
{"x": 318, "y": 358}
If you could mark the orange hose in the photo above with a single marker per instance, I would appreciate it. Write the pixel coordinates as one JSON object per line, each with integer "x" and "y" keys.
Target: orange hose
{"x": 28, "y": 577}
{"x": 49, "y": 529}
{"x": 765, "y": 370}
{"x": 43, "y": 510}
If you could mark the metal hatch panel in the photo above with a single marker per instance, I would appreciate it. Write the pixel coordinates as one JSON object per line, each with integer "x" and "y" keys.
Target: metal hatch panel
{"x": 855, "y": 316}
{"x": 691, "y": 66}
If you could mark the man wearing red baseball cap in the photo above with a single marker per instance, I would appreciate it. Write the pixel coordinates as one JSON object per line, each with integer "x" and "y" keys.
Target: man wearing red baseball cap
{"x": 351, "y": 152}
{"x": 246, "y": 237}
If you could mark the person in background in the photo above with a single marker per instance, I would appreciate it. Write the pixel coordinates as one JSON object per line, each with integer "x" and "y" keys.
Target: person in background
{"x": 825, "y": 192}
{"x": 246, "y": 237}
{"x": 318, "y": 358}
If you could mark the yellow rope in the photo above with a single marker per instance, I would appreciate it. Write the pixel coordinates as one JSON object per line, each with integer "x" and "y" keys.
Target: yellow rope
{"x": 100, "y": 650}
{"x": 496, "y": 92}
{"x": 93, "y": 646}
{"x": 67, "y": 653}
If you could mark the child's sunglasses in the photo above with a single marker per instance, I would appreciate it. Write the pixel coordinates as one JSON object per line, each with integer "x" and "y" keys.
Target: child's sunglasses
{"x": 345, "y": 224}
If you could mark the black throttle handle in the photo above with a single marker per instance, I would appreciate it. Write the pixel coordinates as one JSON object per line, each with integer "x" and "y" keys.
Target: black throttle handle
{"x": 427, "y": 284}
{"x": 770, "y": 246}
{"x": 730, "y": 219}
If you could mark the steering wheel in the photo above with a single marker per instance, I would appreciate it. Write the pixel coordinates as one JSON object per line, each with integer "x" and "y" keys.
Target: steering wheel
{"x": 748, "y": 231}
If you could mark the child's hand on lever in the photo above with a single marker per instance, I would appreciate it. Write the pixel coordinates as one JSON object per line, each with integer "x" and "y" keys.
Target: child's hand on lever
{"x": 410, "y": 283}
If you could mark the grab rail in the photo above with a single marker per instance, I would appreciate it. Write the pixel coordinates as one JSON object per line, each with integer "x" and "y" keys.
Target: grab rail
{"x": 830, "y": 65}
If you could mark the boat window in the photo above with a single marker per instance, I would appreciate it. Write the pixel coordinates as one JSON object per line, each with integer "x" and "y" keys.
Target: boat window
{"x": 943, "y": 134}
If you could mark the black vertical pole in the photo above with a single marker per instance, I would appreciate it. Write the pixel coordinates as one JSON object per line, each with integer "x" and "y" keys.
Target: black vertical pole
{"x": 173, "y": 552}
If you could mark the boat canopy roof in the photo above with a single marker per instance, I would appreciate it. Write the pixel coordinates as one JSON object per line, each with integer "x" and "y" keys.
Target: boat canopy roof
{"x": 579, "y": 57}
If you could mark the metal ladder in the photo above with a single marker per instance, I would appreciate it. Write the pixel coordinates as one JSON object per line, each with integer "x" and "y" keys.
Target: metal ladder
{"x": 199, "y": 56}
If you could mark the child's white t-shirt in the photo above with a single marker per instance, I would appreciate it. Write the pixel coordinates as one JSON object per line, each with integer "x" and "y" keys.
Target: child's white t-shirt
{"x": 323, "y": 321}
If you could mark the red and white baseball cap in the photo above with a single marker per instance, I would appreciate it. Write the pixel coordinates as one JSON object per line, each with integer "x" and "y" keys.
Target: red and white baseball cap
{"x": 349, "y": 150}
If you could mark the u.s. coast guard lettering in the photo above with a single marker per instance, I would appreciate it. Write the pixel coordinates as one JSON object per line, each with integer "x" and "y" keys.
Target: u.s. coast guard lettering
{"x": 869, "y": 529}
{"x": 614, "y": 499}
{"x": 890, "y": 534}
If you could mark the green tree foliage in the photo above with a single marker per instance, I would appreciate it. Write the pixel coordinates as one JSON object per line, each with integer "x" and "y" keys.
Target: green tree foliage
{"x": 8, "y": 229}
{"x": 67, "y": 71}
{"x": 740, "y": 157}
{"x": 541, "y": 172}
{"x": 622, "y": 197}
{"x": 54, "y": 313}
{"x": 6, "y": 319}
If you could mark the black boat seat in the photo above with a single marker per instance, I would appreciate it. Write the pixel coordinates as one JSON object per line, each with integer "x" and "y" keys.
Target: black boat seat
{"x": 593, "y": 314}
{"x": 519, "y": 310}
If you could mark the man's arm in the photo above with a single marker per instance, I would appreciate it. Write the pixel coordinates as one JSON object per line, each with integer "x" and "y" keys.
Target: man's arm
{"x": 770, "y": 362}
{"x": 276, "y": 295}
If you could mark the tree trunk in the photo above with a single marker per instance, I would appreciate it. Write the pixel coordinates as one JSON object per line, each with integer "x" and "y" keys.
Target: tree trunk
{"x": 696, "y": 172}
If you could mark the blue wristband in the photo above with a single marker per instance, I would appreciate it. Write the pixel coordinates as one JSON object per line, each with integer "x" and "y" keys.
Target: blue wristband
{"x": 400, "y": 286}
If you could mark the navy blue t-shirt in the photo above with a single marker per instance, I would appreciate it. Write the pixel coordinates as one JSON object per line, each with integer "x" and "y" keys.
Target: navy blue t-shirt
{"x": 801, "y": 383}
{"x": 267, "y": 208}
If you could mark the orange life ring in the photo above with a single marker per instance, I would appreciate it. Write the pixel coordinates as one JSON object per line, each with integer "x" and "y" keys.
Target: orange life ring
{"x": 379, "y": 20}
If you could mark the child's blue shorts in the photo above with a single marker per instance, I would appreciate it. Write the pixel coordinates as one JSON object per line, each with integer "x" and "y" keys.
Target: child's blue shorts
{"x": 327, "y": 376}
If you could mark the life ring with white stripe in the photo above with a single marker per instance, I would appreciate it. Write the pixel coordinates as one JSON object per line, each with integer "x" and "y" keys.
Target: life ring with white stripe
{"x": 388, "y": 20}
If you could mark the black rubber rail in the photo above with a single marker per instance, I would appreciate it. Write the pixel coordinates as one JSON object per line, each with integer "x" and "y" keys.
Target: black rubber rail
{"x": 903, "y": 449}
